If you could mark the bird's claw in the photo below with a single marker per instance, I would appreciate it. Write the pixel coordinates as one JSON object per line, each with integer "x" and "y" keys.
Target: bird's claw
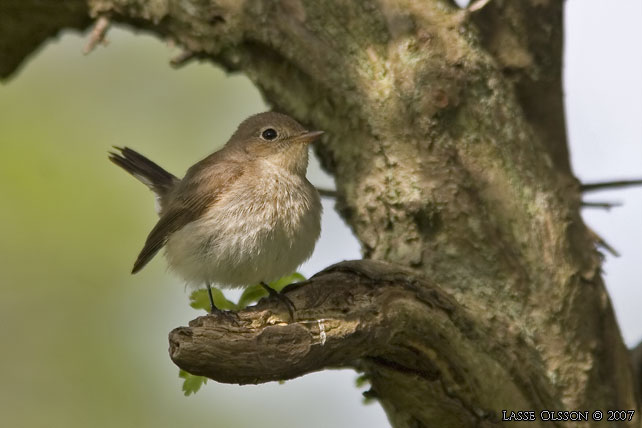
{"x": 230, "y": 316}
{"x": 273, "y": 294}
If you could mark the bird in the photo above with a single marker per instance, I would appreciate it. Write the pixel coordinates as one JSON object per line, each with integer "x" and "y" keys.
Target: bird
{"x": 244, "y": 215}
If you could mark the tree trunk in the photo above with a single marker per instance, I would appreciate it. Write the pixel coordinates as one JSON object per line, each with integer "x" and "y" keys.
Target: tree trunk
{"x": 445, "y": 133}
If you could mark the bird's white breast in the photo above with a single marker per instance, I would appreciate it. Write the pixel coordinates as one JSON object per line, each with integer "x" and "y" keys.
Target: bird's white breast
{"x": 262, "y": 228}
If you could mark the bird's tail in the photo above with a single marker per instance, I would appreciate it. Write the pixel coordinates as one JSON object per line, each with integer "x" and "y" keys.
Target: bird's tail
{"x": 146, "y": 171}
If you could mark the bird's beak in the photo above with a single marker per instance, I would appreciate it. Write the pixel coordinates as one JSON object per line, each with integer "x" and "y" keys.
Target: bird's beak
{"x": 308, "y": 136}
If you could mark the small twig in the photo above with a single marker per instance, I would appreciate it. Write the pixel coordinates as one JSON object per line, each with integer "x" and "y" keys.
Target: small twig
{"x": 473, "y": 7}
{"x": 602, "y": 243}
{"x": 589, "y": 187}
{"x": 477, "y": 5}
{"x": 604, "y": 205}
{"x": 97, "y": 34}
{"x": 182, "y": 58}
{"x": 327, "y": 193}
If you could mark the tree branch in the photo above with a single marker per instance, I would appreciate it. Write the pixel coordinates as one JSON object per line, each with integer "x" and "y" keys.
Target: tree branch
{"x": 603, "y": 205}
{"x": 603, "y": 185}
{"x": 97, "y": 34}
{"x": 261, "y": 344}
{"x": 525, "y": 39}
{"x": 26, "y": 24}
{"x": 366, "y": 315}
{"x": 636, "y": 358}
{"x": 327, "y": 193}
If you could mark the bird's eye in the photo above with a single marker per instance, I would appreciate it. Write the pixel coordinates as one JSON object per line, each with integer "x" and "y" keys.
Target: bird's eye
{"x": 269, "y": 134}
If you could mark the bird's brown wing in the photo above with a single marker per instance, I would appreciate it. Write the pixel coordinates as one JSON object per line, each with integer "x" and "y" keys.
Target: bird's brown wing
{"x": 192, "y": 197}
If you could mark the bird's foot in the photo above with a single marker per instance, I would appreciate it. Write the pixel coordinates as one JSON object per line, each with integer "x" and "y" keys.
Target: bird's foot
{"x": 230, "y": 316}
{"x": 273, "y": 294}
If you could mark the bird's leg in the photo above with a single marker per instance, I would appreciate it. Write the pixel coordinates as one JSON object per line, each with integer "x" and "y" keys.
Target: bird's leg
{"x": 232, "y": 317}
{"x": 281, "y": 297}
{"x": 213, "y": 308}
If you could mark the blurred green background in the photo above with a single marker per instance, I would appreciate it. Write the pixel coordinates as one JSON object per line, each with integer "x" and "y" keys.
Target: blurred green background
{"x": 84, "y": 343}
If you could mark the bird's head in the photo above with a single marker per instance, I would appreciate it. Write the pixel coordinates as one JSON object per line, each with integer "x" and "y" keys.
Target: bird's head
{"x": 275, "y": 138}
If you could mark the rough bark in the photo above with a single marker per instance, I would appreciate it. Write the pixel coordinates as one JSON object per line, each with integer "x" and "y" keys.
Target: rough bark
{"x": 636, "y": 356}
{"x": 445, "y": 133}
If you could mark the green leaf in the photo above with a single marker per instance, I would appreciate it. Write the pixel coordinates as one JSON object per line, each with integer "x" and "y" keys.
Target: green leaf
{"x": 252, "y": 294}
{"x": 200, "y": 300}
{"x": 281, "y": 283}
{"x": 362, "y": 381}
{"x": 192, "y": 383}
